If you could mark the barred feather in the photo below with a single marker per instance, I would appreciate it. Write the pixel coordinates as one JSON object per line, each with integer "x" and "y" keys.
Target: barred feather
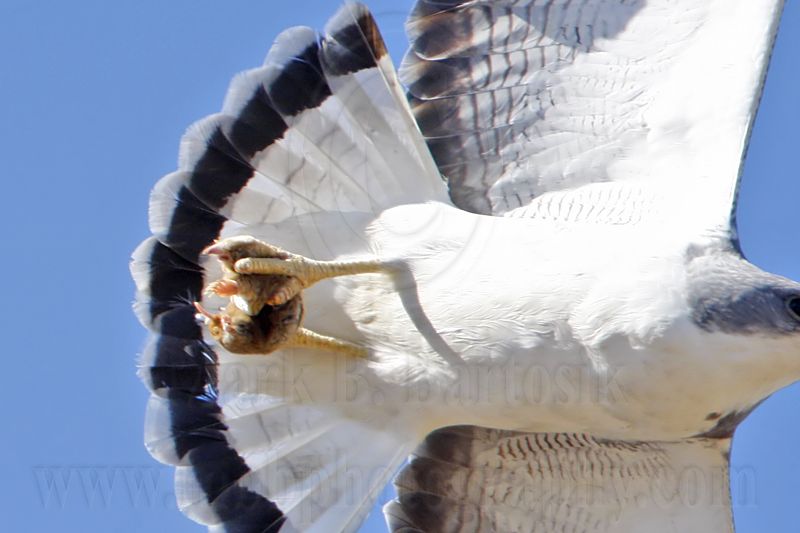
{"x": 520, "y": 98}
{"x": 478, "y": 480}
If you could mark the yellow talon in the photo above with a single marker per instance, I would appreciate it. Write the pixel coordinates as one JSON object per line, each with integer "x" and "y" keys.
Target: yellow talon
{"x": 264, "y": 284}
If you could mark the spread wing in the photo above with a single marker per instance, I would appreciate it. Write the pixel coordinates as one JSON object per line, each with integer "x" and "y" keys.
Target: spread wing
{"x": 477, "y": 480}
{"x": 521, "y": 100}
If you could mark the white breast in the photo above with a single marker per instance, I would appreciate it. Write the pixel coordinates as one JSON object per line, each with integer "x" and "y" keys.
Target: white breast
{"x": 578, "y": 304}
{"x": 588, "y": 331}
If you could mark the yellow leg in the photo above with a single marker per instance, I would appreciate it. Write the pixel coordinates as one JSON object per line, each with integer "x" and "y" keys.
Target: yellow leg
{"x": 305, "y": 338}
{"x": 258, "y": 273}
{"x": 308, "y": 271}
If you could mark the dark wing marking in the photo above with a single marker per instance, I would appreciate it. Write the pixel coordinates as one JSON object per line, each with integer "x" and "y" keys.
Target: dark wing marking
{"x": 478, "y": 480}
{"x": 520, "y": 98}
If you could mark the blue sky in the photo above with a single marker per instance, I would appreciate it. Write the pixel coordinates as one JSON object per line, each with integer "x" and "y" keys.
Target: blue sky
{"x": 94, "y": 97}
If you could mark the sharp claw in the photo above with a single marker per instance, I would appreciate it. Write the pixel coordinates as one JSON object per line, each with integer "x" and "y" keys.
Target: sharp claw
{"x": 222, "y": 287}
{"x": 215, "y": 249}
{"x": 203, "y": 311}
{"x": 212, "y": 249}
{"x": 280, "y": 297}
{"x": 276, "y": 300}
{"x": 221, "y": 252}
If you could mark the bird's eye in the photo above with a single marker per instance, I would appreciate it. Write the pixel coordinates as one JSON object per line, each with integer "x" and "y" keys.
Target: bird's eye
{"x": 793, "y": 305}
{"x": 242, "y": 328}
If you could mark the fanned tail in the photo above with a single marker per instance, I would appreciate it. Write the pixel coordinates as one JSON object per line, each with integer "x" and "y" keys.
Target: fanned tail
{"x": 320, "y": 130}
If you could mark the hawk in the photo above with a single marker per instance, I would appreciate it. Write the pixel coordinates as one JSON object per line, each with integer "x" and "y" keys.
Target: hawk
{"x": 516, "y": 262}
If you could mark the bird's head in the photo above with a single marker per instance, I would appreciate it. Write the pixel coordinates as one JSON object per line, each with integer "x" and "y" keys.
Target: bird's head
{"x": 750, "y": 320}
{"x": 730, "y": 295}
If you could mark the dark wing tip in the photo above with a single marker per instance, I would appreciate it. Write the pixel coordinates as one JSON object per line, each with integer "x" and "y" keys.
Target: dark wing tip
{"x": 352, "y": 41}
{"x": 414, "y": 512}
